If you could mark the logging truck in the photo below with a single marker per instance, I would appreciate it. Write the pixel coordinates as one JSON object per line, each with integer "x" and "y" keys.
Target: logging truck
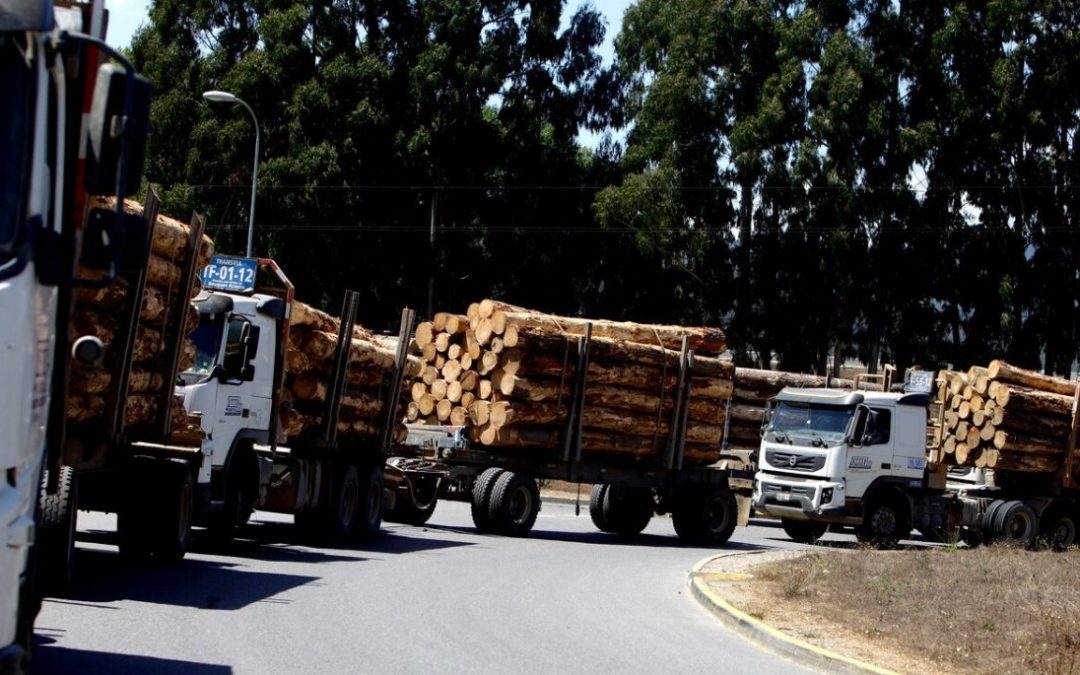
{"x": 67, "y": 127}
{"x": 632, "y": 477}
{"x": 257, "y": 453}
{"x": 884, "y": 463}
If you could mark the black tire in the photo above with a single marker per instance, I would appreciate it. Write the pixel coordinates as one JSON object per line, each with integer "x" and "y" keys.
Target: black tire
{"x": 56, "y": 535}
{"x": 986, "y": 522}
{"x": 803, "y": 531}
{"x": 369, "y": 521}
{"x": 1058, "y": 531}
{"x": 416, "y": 507}
{"x": 596, "y": 506}
{"x": 481, "y": 497}
{"x": 885, "y": 523}
{"x": 177, "y": 508}
{"x": 705, "y": 516}
{"x": 344, "y": 512}
{"x": 515, "y": 504}
{"x": 627, "y": 510}
{"x": 239, "y": 500}
{"x": 1016, "y": 523}
{"x": 154, "y": 523}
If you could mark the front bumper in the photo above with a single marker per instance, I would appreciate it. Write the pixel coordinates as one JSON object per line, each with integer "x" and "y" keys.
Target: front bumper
{"x": 783, "y": 497}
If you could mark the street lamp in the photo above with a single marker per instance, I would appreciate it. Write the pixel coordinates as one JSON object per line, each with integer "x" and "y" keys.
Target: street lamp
{"x": 225, "y": 97}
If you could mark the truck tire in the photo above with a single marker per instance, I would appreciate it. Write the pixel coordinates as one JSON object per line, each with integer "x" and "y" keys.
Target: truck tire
{"x": 154, "y": 522}
{"x": 239, "y": 499}
{"x": 596, "y": 506}
{"x": 1015, "y": 523}
{"x": 344, "y": 512}
{"x": 515, "y": 504}
{"x": 177, "y": 507}
{"x": 481, "y": 497}
{"x": 1058, "y": 530}
{"x": 416, "y": 507}
{"x": 627, "y": 510}
{"x": 369, "y": 518}
{"x": 705, "y": 516}
{"x": 985, "y": 532}
{"x": 56, "y": 535}
{"x": 803, "y": 531}
{"x": 885, "y": 523}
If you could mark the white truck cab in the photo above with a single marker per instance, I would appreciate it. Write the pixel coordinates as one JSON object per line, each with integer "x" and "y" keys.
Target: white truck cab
{"x": 830, "y": 456}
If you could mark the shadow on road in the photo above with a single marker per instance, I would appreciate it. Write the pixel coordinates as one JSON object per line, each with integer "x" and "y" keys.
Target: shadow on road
{"x": 267, "y": 538}
{"x": 49, "y": 658}
{"x": 103, "y": 576}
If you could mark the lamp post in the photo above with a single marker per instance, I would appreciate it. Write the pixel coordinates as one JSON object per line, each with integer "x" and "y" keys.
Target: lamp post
{"x": 225, "y": 97}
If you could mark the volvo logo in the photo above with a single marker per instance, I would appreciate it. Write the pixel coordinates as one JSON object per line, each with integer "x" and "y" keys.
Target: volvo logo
{"x": 792, "y": 460}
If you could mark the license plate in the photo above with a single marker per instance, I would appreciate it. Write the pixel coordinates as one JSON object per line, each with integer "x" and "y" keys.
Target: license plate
{"x": 784, "y": 496}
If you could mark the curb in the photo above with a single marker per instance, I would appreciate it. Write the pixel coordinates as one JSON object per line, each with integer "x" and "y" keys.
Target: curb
{"x": 760, "y": 632}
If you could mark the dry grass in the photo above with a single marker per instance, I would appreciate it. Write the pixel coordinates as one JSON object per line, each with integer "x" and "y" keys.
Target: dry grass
{"x": 987, "y": 610}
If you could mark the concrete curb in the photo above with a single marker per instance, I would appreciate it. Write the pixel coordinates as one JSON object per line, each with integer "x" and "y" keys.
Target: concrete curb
{"x": 758, "y": 631}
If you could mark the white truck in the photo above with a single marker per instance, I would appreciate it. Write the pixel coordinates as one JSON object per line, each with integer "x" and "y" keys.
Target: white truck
{"x": 66, "y": 127}
{"x": 833, "y": 458}
{"x": 333, "y": 485}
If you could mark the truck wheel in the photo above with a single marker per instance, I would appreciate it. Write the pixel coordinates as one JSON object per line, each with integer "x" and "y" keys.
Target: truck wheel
{"x": 803, "y": 531}
{"x": 345, "y": 509}
{"x": 1016, "y": 523}
{"x": 239, "y": 502}
{"x": 986, "y": 533}
{"x": 1059, "y": 530}
{"x": 627, "y": 510}
{"x": 885, "y": 524}
{"x": 705, "y": 516}
{"x": 596, "y": 506}
{"x": 369, "y": 518}
{"x": 56, "y": 535}
{"x": 177, "y": 506}
{"x": 515, "y": 504}
{"x": 416, "y": 507}
{"x": 481, "y": 497}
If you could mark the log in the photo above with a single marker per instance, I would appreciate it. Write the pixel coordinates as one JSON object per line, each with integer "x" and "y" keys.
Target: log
{"x": 999, "y": 370}
{"x": 611, "y": 351}
{"x": 1016, "y": 442}
{"x": 703, "y": 340}
{"x": 607, "y": 419}
{"x": 775, "y": 380}
{"x": 320, "y": 346}
{"x": 315, "y": 319}
{"x": 1034, "y": 402}
{"x": 1026, "y": 463}
{"x": 1050, "y": 427}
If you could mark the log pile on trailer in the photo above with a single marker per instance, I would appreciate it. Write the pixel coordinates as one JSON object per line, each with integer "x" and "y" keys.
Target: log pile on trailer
{"x": 160, "y": 311}
{"x": 309, "y": 363}
{"x": 1006, "y": 418}
{"x": 750, "y": 396}
{"x": 510, "y": 375}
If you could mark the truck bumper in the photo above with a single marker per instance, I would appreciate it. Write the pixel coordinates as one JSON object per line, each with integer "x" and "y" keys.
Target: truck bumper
{"x": 799, "y": 499}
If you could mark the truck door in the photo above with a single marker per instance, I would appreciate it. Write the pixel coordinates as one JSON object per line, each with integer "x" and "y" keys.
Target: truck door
{"x": 870, "y": 453}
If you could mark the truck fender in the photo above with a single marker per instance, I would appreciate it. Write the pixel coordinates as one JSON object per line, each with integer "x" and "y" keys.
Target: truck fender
{"x": 891, "y": 488}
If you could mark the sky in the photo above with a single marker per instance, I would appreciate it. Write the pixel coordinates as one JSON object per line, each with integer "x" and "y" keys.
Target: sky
{"x": 125, "y": 17}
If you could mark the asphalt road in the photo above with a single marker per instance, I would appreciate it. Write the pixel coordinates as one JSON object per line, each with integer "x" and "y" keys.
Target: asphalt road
{"x": 441, "y": 598}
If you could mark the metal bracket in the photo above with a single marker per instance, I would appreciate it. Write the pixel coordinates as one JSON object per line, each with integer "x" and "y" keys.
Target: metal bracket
{"x": 341, "y": 367}
{"x": 393, "y": 396}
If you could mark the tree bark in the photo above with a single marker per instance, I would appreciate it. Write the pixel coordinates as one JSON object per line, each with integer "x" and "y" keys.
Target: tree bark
{"x": 1001, "y": 371}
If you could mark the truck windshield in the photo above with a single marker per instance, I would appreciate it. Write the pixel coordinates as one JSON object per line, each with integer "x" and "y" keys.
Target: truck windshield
{"x": 15, "y": 107}
{"x": 207, "y": 338}
{"x": 821, "y": 424}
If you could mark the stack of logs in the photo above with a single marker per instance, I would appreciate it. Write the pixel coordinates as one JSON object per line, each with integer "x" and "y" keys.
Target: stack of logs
{"x": 752, "y": 391}
{"x": 309, "y": 359}
{"x": 508, "y": 373}
{"x": 1005, "y": 418}
{"x": 94, "y": 315}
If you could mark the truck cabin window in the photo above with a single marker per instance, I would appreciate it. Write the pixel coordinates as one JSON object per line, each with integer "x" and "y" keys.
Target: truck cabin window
{"x": 808, "y": 423}
{"x": 207, "y": 339}
{"x": 15, "y": 136}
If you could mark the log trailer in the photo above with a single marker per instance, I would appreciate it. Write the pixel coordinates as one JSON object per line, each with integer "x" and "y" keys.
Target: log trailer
{"x": 333, "y": 484}
{"x": 67, "y": 128}
{"x": 872, "y": 461}
{"x": 439, "y": 462}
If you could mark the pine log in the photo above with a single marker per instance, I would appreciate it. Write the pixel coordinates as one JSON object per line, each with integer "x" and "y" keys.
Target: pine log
{"x": 999, "y": 370}
{"x": 320, "y": 346}
{"x": 1049, "y": 427}
{"x": 1014, "y": 399}
{"x": 702, "y": 340}
{"x": 1008, "y": 461}
{"x": 775, "y": 380}
{"x": 1016, "y": 442}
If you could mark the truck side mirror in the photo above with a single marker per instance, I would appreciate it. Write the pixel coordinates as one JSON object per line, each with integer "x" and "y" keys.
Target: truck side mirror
{"x": 111, "y": 123}
{"x": 770, "y": 408}
{"x": 234, "y": 363}
{"x": 857, "y": 431}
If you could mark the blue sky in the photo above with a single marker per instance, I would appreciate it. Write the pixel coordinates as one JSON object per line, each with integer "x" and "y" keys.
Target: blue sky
{"x": 125, "y": 17}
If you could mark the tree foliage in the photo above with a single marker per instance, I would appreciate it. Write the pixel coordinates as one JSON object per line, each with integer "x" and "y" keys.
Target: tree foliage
{"x": 886, "y": 179}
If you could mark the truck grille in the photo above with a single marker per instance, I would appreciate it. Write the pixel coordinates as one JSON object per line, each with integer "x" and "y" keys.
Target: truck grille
{"x": 783, "y": 460}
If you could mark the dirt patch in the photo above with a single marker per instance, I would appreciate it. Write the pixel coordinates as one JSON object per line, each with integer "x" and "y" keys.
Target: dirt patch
{"x": 986, "y": 610}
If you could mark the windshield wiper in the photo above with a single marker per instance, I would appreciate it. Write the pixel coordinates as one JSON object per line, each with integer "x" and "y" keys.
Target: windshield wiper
{"x": 781, "y": 437}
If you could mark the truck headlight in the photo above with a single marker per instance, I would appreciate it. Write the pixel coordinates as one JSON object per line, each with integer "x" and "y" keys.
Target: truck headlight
{"x": 826, "y": 495}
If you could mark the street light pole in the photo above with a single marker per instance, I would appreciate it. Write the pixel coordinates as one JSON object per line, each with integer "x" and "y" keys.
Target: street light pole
{"x": 226, "y": 97}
